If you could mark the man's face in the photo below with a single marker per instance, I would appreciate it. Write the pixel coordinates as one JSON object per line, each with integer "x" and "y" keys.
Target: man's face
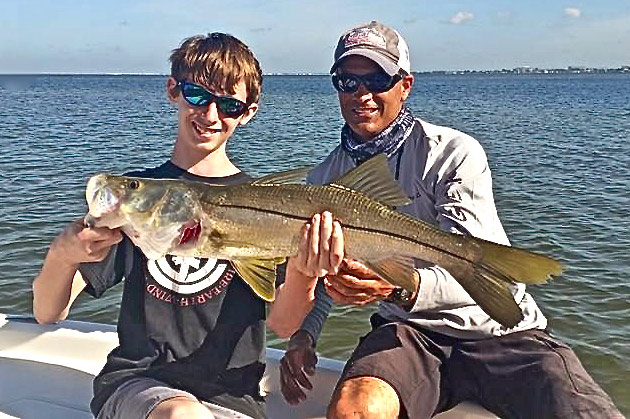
{"x": 205, "y": 128}
{"x": 368, "y": 113}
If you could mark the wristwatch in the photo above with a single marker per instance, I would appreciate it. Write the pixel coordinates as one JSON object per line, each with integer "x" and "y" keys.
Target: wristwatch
{"x": 400, "y": 297}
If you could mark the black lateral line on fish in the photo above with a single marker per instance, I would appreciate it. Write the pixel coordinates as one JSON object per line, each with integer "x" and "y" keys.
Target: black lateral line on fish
{"x": 370, "y": 230}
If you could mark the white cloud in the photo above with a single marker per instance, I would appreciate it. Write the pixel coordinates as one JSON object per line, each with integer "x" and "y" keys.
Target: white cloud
{"x": 461, "y": 17}
{"x": 572, "y": 12}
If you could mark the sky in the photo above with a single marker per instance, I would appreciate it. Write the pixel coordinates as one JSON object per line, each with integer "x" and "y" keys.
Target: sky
{"x": 293, "y": 36}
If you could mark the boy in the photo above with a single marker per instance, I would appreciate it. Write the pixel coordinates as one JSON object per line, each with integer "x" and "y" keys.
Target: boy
{"x": 185, "y": 351}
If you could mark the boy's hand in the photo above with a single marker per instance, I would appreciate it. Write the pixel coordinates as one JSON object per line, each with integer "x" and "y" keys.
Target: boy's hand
{"x": 77, "y": 243}
{"x": 298, "y": 361}
{"x": 320, "y": 251}
{"x": 356, "y": 284}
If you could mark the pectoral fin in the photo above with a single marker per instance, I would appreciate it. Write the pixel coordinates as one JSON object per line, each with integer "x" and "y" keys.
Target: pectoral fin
{"x": 260, "y": 275}
{"x": 398, "y": 271}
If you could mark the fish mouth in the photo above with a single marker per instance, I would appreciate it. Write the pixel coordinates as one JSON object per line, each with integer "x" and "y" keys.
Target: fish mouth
{"x": 100, "y": 198}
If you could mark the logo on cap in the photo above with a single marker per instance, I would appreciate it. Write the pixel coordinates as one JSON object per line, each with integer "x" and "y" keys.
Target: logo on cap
{"x": 364, "y": 36}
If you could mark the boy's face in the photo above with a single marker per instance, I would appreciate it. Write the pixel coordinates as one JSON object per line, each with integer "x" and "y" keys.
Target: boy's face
{"x": 206, "y": 128}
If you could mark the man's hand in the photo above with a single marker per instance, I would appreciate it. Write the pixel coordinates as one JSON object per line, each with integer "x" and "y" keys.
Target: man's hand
{"x": 296, "y": 365}
{"x": 356, "y": 284}
{"x": 320, "y": 250}
{"x": 78, "y": 243}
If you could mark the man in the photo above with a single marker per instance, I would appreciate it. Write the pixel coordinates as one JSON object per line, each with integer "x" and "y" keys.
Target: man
{"x": 193, "y": 352}
{"x": 431, "y": 349}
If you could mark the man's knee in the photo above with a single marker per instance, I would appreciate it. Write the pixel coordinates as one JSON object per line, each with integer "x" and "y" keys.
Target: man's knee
{"x": 364, "y": 397}
{"x": 180, "y": 408}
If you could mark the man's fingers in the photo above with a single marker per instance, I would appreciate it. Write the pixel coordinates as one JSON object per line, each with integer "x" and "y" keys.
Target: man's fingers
{"x": 296, "y": 361}
{"x": 309, "y": 363}
{"x": 302, "y": 379}
{"x": 355, "y": 299}
{"x": 351, "y": 285}
{"x": 291, "y": 391}
{"x": 358, "y": 269}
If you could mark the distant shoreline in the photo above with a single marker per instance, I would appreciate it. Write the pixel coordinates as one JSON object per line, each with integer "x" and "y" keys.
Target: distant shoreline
{"x": 518, "y": 70}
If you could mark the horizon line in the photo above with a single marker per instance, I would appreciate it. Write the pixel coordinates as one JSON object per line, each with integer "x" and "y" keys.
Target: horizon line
{"x": 305, "y": 73}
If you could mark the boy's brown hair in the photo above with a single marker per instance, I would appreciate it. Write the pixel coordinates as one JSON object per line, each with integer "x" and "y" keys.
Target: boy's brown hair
{"x": 218, "y": 61}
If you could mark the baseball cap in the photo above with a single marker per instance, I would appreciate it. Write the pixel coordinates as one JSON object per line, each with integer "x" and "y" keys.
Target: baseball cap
{"x": 379, "y": 43}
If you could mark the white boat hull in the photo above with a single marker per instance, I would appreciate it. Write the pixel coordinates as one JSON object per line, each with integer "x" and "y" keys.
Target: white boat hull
{"x": 46, "y": 372}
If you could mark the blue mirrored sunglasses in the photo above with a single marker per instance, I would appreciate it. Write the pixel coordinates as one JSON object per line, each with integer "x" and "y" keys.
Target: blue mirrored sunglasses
{"x": 198, "y": 96}
{"x": 373, "y": 82}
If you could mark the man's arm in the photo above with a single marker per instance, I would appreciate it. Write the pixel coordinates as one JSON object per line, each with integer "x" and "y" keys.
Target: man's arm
{"x": 59, "y": 282}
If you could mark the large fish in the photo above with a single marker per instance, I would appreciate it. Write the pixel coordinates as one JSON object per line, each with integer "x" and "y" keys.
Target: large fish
{"x": 257, "y": 226}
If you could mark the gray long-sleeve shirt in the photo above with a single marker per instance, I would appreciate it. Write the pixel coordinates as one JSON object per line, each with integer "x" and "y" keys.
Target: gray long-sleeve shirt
{"x": 446, "y": 174}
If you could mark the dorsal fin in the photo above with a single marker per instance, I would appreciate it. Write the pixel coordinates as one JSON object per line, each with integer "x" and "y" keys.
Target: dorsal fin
{"x": 374, "y": 179}
{"x": 295, "y": 176}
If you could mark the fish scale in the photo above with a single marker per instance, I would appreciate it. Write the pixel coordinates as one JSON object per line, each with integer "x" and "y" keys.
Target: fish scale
{"x": 359, "y": 216}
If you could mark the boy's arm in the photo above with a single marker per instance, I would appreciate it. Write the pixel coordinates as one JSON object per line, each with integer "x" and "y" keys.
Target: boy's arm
{"x": 320, "y": 252}
{"x": 59, "y": 282}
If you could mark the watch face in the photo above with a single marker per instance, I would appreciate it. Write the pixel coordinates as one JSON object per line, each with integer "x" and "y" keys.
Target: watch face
{"x": 405, "y": 295}
{"x": 399, "y": 296}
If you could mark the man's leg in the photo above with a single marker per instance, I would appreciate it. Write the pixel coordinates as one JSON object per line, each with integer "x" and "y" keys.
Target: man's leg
{"x": 394, "y": 371}
{"x": 527, "y": 375}
{"x": 364, "y": 397}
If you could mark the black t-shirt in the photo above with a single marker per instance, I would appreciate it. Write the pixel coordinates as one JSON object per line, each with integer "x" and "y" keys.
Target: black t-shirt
{"x": 190, "y": 322}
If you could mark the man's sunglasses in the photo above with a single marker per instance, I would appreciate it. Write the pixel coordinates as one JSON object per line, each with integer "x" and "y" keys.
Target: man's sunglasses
{"x": 373, "y": 82}
{"x": 199, "y": 96}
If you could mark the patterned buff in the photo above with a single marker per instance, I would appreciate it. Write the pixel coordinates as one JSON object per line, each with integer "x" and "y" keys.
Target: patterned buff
{"x": 388, "y": 141}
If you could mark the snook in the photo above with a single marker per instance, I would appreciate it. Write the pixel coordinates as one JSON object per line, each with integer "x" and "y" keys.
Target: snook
{"x": 257, "y": 226}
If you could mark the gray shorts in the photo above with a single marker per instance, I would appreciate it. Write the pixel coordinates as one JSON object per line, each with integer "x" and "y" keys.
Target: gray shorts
{"x": 136, "y": 398}
{"x": 521, "y": 375}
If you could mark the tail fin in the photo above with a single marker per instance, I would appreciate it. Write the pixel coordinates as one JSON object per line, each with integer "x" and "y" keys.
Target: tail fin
{"x": 517, "y": 265}
{"x": 488, "y": 280}
{"x": 495, "y": 298}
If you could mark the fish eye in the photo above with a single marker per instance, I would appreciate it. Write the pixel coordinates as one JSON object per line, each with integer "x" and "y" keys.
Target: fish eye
{"x": 134, "y": 184}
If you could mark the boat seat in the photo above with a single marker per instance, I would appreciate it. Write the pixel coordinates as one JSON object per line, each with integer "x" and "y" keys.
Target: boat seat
{"x": 48, "y": 389}
{"x": 46, "y": 372}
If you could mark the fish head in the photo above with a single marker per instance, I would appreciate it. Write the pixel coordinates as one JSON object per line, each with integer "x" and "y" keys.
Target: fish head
{"x": 113, "y": 199}
{"x": 158, "y": 215}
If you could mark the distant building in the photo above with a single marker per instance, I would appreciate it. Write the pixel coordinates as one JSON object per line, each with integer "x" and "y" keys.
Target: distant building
{"x": 534, "y": 70}
{"x": 523, "y": 70}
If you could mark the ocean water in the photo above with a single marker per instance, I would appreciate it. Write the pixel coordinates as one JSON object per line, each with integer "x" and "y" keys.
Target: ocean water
{"x": 558, "y": 147}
